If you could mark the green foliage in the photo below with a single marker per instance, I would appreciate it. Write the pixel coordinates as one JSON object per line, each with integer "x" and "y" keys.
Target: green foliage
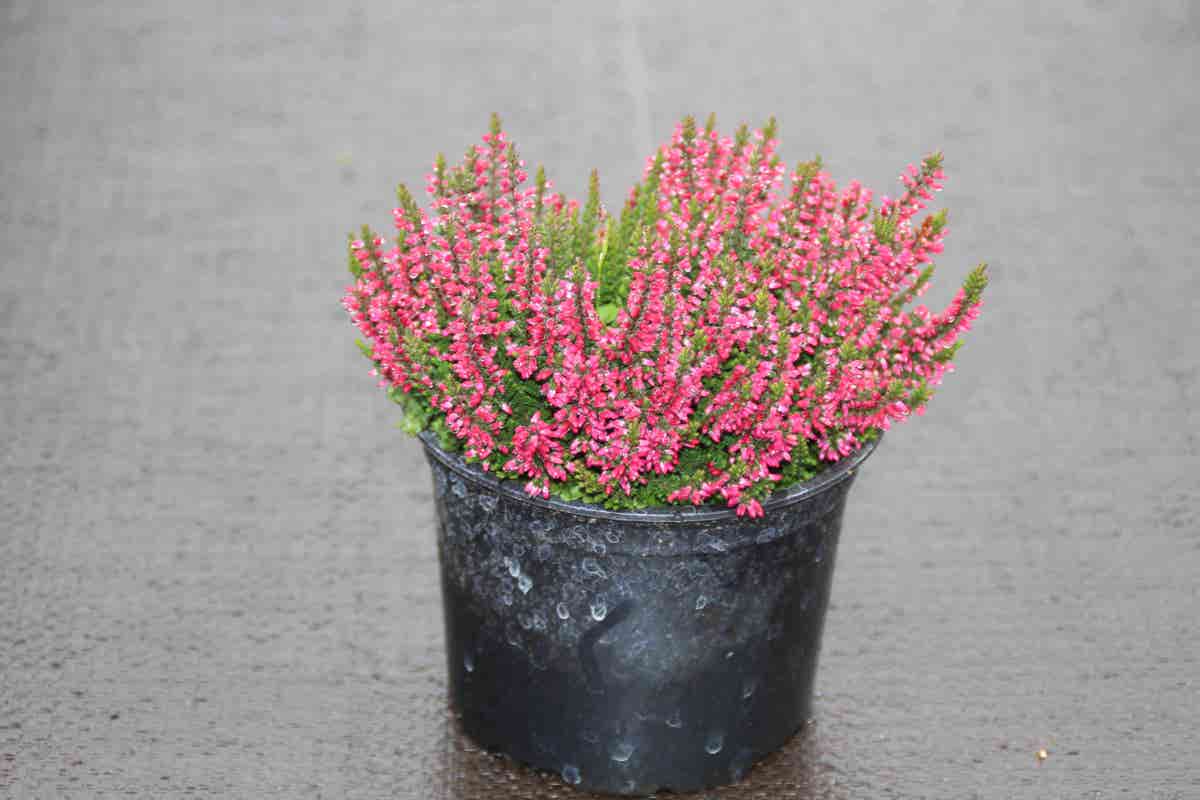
{"x": 771, "y": 129}
{"x": 586, "y": 248}
{"x": 558, "y": 230}
{"x": 540, "y": 181}
{"x": 885, "y": 228}
{"x": 352, "y": 262}
{"x": 904, "y": 298}
{"x": 972, "y": 290}
{"x": 585, "y": 241}
{"x": 976, "y": 281}
{"x": 622, "y": 239}
{"x": 937, "y": 221}
{"x": 408, "y": 203}
{"x": 608, "y": 313}
{"x": 439, "y": 174}
{"x": 693, "y": 468}
{"x": 416, "y": 414}
{"x": 804, "y": 465}
{"x": 919, "y": 396}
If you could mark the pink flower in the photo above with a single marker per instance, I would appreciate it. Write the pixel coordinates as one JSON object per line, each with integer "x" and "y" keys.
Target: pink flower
{"x": 751, "y": 509}
{"x": 735, "y": 316}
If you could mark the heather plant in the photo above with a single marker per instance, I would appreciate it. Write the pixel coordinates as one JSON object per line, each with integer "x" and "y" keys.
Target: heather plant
{"x": 723, "y": 337}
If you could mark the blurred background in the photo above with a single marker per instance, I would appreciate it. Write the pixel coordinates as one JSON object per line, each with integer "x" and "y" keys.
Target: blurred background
{"x": 217, "y": 561}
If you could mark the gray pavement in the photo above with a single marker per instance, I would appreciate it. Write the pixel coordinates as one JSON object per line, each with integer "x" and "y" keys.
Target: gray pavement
{"x": 216, "y": 553}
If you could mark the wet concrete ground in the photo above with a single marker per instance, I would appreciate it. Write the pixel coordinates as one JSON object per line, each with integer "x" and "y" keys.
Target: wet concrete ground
{"x": 216, "y": 554}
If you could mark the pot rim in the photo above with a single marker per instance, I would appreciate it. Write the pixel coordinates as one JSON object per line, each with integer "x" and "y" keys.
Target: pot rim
{"x": 836, "y": 473}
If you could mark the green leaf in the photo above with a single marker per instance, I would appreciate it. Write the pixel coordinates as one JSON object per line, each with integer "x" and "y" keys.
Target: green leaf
{"x": 569, "y": 492}
{"x": 948, "y": 354}
{"x": 607, "y": 313}
{"x": 352, "y": 261}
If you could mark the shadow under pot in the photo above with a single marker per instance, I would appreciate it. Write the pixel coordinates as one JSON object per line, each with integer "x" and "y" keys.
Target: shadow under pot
{"x": 632, "y": 651}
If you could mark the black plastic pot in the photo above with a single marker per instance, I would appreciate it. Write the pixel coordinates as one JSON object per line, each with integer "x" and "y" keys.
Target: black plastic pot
{"x": 633, "y": 651}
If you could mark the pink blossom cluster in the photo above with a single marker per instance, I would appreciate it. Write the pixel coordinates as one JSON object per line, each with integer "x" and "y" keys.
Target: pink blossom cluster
{"x": 753, "y": 318}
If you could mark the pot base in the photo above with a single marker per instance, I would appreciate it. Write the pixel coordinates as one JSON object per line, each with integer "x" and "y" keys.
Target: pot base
{"x": 625, "y": 736}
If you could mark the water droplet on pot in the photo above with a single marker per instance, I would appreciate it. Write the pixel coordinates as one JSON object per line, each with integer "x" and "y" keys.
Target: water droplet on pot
{"x": 621, "y": 752}
{"x": 457, "y": 487}
{"x": 599, "y": 610}
{"x": 748, "y": 688}
{"x": 514, "y": 568}
{"x": 524, "y": 583}
{"x": 675, "y": 720}
{"x": 819, "y": 555}
{"x": 592, "y": 567}
{"x": 469, "y": 662}
{"x": 599, "y": 548}
{"x": 714, "y": 744}
{"x": 562, "y": 611}
{"x": 570, "y": 774}
{"x": 701, "y": 602}
{"x": 506, "y": 598}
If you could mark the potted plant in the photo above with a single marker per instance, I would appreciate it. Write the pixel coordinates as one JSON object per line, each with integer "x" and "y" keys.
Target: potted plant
{"x": 642, "y": 430}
